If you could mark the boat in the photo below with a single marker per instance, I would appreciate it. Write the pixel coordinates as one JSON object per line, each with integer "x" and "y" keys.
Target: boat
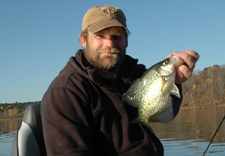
{"x": 29, "y": 140}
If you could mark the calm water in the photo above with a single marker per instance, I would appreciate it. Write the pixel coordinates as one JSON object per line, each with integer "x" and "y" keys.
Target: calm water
{"x": 188, "y": 135}
{"x": 7, "y": 132}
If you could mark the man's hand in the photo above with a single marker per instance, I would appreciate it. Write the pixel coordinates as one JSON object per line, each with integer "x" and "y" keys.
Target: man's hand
{"x": 185, "y": 71}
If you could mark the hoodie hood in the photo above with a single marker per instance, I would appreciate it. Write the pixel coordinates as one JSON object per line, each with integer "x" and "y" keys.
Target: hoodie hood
{"x": 127, "y": 71}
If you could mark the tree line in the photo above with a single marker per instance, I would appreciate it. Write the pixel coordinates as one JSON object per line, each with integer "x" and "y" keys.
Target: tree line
{"x": 14, "y": 110}
{"x": 205, "y": 88}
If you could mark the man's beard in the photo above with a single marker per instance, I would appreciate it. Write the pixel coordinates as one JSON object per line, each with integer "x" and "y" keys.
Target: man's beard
{"x": 105, "y": 62}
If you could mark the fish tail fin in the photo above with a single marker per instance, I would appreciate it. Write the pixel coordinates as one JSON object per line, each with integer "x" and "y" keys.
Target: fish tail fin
{"x": 130, "y": 97}
{"x": 135, "y": 121}
{"x": 146, "y": 123}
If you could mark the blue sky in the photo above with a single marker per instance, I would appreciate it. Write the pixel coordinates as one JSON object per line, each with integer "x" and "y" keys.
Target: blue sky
{"x": 38, "y": 37}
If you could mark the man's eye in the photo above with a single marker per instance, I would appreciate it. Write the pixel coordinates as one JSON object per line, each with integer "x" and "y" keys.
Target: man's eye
{"x": 117, "y": 37}
{"x": 99, "y": 35}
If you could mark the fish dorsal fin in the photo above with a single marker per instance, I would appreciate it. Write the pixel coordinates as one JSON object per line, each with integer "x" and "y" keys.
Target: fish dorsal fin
{"x": 175, "y": 91}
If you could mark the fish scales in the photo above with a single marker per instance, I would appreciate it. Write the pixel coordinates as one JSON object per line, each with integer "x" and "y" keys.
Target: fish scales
{"x": 152, "y": 92}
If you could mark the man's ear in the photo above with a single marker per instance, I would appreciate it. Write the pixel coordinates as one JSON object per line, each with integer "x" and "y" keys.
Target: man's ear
{"x": 82, "y": 40}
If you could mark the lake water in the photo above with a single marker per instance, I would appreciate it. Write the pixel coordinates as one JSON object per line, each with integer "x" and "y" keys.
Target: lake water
{"x": 188, "y": 135}
{"x": 7, "y": 132}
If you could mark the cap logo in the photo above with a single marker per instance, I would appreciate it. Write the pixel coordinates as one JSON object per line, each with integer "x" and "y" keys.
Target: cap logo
{"x": 109, "y": 10}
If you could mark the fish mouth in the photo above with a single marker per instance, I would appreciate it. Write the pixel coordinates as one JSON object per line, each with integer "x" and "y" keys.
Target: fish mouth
{"x": 175, "y": 60}
{"x": 165, "y": 71}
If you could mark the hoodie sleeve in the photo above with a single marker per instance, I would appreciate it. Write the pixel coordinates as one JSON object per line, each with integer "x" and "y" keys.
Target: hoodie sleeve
{"x": 65, "y": 119}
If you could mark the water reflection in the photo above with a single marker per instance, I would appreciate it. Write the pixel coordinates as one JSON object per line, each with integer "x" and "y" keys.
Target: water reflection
{"x": 192, "y": 130}
{"x": 7, "y": 132}
{"x": 194, "y": 124}
{"x": 188, "y": 134}
{"x": 7, "y": 126}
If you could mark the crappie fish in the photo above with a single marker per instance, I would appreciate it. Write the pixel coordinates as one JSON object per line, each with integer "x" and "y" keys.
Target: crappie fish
{"x": 151, "y": 93}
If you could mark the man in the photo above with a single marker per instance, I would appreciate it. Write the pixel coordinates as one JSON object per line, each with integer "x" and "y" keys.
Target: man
{"x": 82, "y": 111}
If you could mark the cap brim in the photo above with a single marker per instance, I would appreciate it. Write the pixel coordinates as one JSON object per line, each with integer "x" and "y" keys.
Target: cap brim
{"x": 106, "y": 24}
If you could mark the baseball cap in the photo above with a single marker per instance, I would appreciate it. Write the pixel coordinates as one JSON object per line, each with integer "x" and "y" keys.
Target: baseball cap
{"x": 102, "y": 17}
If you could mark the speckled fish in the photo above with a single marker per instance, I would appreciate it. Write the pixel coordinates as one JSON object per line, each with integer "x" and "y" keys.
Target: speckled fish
{"x": 152, "y": 92}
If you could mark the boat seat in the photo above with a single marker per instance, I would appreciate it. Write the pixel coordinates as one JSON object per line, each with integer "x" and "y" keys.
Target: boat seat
{"x": 29, "y": 139}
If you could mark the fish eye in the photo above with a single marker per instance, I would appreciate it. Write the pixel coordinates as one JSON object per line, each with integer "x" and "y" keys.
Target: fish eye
{"x": 166, "y": 62}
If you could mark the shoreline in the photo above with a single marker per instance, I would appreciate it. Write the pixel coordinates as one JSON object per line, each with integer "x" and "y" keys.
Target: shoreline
{"x": 1, "y": 119}
{"x": 181, "y": 108}
{"x": 201, "y": 106}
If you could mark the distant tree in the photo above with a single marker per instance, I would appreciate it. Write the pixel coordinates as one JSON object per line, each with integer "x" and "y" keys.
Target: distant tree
{"x": 205, "y": 87}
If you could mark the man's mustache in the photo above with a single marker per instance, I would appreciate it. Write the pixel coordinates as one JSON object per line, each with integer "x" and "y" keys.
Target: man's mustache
{"x": 110, "y": 50}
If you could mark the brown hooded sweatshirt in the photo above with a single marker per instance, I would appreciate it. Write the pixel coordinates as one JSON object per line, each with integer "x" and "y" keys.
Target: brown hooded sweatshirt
{"x": 83, "y": 114}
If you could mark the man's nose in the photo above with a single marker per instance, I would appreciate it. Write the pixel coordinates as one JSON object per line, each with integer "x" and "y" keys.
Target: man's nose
{"x": 110, "y": 42}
